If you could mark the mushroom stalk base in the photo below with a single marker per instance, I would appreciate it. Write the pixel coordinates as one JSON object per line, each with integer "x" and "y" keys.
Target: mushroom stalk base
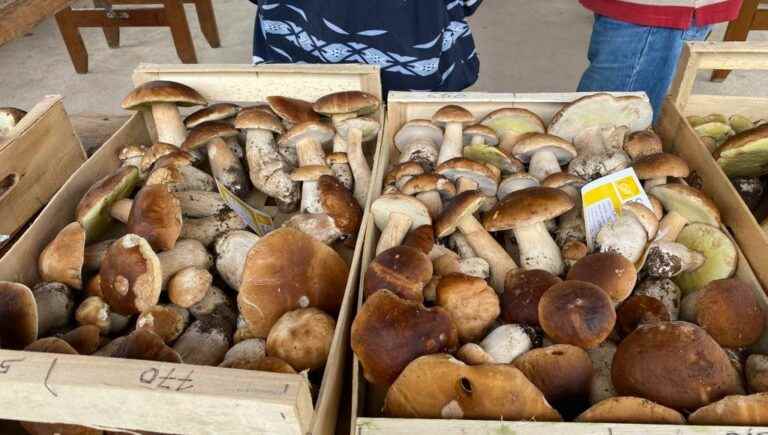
{"x": 489, "y": 250}
{"x": 310, "y": 153}
{"x": 268, "y": 171}
{"x": 394, "y": 233}
{"x": 538, "y": 250}
{"x": 464, "y": 184}
{"x": 432, "y": 201}
{"x": 170, "y": 128}
{"x": 653, "y": 182}
{"x": 670, "y": 227}
{"x": 359, "y": 166}
{"x": 452, "y": 142}
{"x": 543, "y": 164}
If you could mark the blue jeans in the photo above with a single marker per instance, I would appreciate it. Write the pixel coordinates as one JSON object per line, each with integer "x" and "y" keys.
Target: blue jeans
{"x": 629, "y": 57}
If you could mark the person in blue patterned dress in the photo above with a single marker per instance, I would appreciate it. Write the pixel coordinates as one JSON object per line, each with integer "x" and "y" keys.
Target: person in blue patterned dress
{"x": 419, "y": 44}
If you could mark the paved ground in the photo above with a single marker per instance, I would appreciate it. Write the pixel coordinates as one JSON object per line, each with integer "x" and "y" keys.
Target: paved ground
{"x": 524, "y": 45}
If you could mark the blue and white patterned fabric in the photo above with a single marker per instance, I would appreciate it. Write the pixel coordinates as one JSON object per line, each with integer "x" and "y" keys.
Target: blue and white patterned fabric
{"x": 419, "y": 44}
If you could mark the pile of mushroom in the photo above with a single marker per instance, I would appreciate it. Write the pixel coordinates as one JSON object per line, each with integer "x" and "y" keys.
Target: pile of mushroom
{"x": 156, "y": 265}
{"x": 484, "y": 301}
{"x": 9, "y": 117}
{"x": 740, "y": 147}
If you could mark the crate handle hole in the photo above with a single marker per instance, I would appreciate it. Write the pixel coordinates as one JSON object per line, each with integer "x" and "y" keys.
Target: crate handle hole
{"x": 466, "y": 385}
{"x": 7, "y": 184}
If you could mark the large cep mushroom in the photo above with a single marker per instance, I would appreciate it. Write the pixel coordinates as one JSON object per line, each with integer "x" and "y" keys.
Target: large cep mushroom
{"x": 395, "y": 214}
{"x": 453, "y": 118}
{"x": 131, "y": 277}
{"x": 543, "y": 153}
{"x": 308, "y": 139}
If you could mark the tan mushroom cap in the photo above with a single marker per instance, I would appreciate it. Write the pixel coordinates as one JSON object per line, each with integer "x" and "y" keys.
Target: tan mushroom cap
{"x": 642, "y": 143}
{"x": 644, "y": 215}
{"x": 156, "y": 216}
{"x": 660, "y": 165}
{"x": 176, "y": 158}
{"x": 514, "y": 119}
{"x": 302, "y": 338}
{"x": 340, "y": 205}
{"x": 675, "y": 364}
{"x": 561, "y": 371}
{"x": 336, "y": 158}
{"x": 387, "y": 204}
{"x": 316, "y": 131}
{"x": 484, "y": 175}
{"x": 610, "y": 271}
{"x": 515, "y": 182}
{"x": 418, "y": 129}
{"x": 440, "y": 386}
{"x": 577, "y": 313}
{"x": 155, "y": 152}
{"x": 257, "y": 118}
{"x": 692, "y": 203}
{"x": 405, "y": 169}
{"x": 472, "y": 303}
{"x": 527, "y": 207}
{"x": 131, "y": 276}
{"x": 368, "y": 126}
{"x": 93, "y": 209}
{"x": 162, "y": 91}
{"x": 428, "y": 183}
{"x": 730, "y": 312}
{"x": 638, "y": 310}
{"x": 522, "y": 291}
{"x": 63, "y": 258}
{"x": 532, "y": 143}
{"x": 144, "y": 344}
{"x": 402, "y": 269}
{"x": 627, "y": 409}
{"x": 453, "y": 114}
{"x": 310, "y": 172}
{"x": 745, "y": 154}
{"x": 206, "y": 132}
{"x": 486, "y": 133}
{"x": 561, "y": 179}
{"x": 734, "y": 410}
{"x": 214, "y": 112}
{"x": 18, "y": 315}
{"x": 357, "y": 102}
{"x": 599, "y": 109}
{"x": 131, "y": 151}
{"x": 462, "y": 205}
{"x": 421, "y": 238}
{"x": 388, "y": 332}
{"x": 293, "y": 110}
{"x": 285, "y": 270}
{"x": 51, "y": 345}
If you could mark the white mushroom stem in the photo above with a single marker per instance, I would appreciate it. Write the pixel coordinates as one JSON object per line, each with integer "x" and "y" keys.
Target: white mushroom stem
{"x": 168, "y": 123}
{"x": 477, "y": 140}
{"x": 395, "y": 231}
{"x": 310, "y": 152}
{"x": 669, "y": 259}
{"x": 543, "y": 164}
{"x": 199, "y": 203}
{"x": 670, "y": 226}
{"x": 464, "y": 184}
{"x": 342, "y": 171}
{"x": 268, "y": 170}
{"x": 488, "y": 249}
{"x": 206, "y": 230}
{"x": 653, "y": 182}
{"x": 462, "y": 246}
{"x": 226, "y": 167}
{"x": 231, "y": 252}
{"x": 319, "y": 226}
{"x": 234, "y": 146}
{"x": 432, "y": 201}
{"x": 452, "y": 143}
{"x": 121, "y": 210}
{"x": 537, "y": 249}
{"x": 572, "y": 222}
{"x": 360, "y": 169}
{"x": 186, "y": 253}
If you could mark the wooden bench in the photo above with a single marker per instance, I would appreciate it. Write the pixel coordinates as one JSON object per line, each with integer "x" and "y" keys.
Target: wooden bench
{"x": 750, "y": 18}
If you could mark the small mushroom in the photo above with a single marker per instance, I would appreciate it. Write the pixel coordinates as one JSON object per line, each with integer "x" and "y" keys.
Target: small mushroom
{"x": 307, "y": 140}
{"x": 515, "y": 182}
{"x": 562, "y": 372}
{"x": 734, "y": 410}
{"x": 543, "y": 153}
{"x": 63, "y": 258}
{"x": 472, "y": 304}
{"x": 669, "y": 259}
{"x": 292, "y": 110}
{"x": 94, "y": 311}
{"x": 355, "y": 131}
{"x": 231, "y": 251}
{"x": 181, "y": 178}
{"x": 431, "y": 189}
{"x": 93, "y": 209}
{"x": 153, "y": 154}
{"x": 389, "y": 332}
{"x": 245, "y": 354}
{"x": 167, "y": 321}
{"x": 55, "y": 306}
{"x": 474, "y": 355}
{"x": 207, "y": 340}
{"x": 18, "y": 315}
{"x": 164, "y": 97}
{"x": 573, "y": 251}
{"x": 418, "y": 141}
{"x": 611, "y": 272}
{"x": 639, "y": 310}
{"x": 721, "y": 256}
{"x": 200, "y": 203}
{"x": 156, "y": 217}
{"x": 577, "y": 313}
{"x": 730, "y": 312}
{"x": 395, "y": 214}
{"x": 227, "y": 167}
{"x": 481, "y": 176}
{"x": 131, "y": 277}
{"x": 9, "y": 117}
{"x": 401, "y": 173}
{"x": 302, "y": 338}
{"x": 642, "y": 143}
{"x": 522, "y": 291}
{"x": 51, "y": 345}
{"x": 132, "y": 155}
{"x": 339, "y": 163}
{"x": 402, "y": 269}
{"x": 215, "y": 112}
{"x": 511, "y": 123}
{"x": 506, "y": 343}
{"x": 634, "y": 410}
{"x": 454, "y": 118}
{"x": 654, "y": 169}
{"x": 85, "y": 339}
{"x": 625, "y": 236}
{"x": 664, "y": 290}
{"x": 143, "y": 344}
{"x": 756, "y": 371}
{"x": 206, "y": 230}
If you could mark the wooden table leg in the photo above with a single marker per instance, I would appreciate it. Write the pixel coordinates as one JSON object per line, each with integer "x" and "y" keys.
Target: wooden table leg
{"x": 73, "y": 40}
{"x": 207, "y": 18}
{"x": 182, "y": 38}
{"x": 738, "y": 30}
{"x": 111, "y": 34}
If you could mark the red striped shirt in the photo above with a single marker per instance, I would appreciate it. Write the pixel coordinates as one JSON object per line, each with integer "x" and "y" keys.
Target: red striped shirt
{"x": 678, "y": 14}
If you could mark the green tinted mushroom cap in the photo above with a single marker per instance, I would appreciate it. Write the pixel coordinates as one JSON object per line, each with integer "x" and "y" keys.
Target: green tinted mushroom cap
{"x": 745, "y": 154}
{"x": 719, "y": 251}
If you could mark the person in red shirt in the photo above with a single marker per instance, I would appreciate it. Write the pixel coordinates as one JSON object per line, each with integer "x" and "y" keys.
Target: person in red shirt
{"x": 636, "y": 44}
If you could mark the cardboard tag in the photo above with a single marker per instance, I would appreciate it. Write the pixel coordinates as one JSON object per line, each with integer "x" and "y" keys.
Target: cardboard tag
{"x": 602, "y": 200}
{"x": 259, "y": 221}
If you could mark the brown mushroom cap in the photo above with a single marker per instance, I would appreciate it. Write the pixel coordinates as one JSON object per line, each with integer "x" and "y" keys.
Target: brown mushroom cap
{"x": 302, "y": 338}
{"x": 610, "y": 271}
{"x": 340, "y": 205}
{"x": 730, "y": 312}
{"x": 285, "y": 270}
{"x": 660, "y": 165}
{"x": 206, "y": 132}
{"x": 214, "y": 112}
{"x": 626, "y": 409}
{"x": 18, "y": 315}
{"x": 522, "y": 292}
{"x": 402, "y": 270}
{"x": 154, "y": 153}
{"x": 51, "y": 345}
{"x": 156, "y": 216}
{"x": 310, "y": 172}
{"x": 756, "y": 371}
{"x": 316, "y": 131}
{"x": 167, "y": 321}
{"x": 405, "y": 169}
{"x": 389, "y": 332}
{"x": 749, "y": 410}
{"x": 440, "y": 386}
{"x": 577, "y": 313}
{"x": 642, "y": 143}
{"x": 176, "y": 158}
{"x": 676, "y": 364}
{"x": 472, "y": 304}
{"x": 63, "y": 258}
{"x": 131, "y": 276}
{"x": 85, "y": 339}
{"x": 385, "y": 205}
{"x": 93, "y": 209}
{"x": 462, "y": 205}
{"x": 162, "y": 91}
{"x": 144, "y": 344}
{"x": 561, "y": 372}
{"x": 421, "y": 238}
{"x": 453, "y": 114}
{"x": 357, "y": 102}
{"x": 429, "y": 183}
{"x": 560, "y": 179}
{"x": 527, "y": 207}
{"x": 256, "y": 118}
{"x": 292, "y": 110}
{"x": 484, "y": 175}
{"x": 638, "y": 310}
{"x": 526, "y": 147}
{"x": 486, "y": 133}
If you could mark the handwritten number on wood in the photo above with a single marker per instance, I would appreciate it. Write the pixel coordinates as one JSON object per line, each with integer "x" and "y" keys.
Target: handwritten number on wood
{"x": 5, "y": 365}
{"x": 48, "y": 376}
{"x": 158, "y": 379}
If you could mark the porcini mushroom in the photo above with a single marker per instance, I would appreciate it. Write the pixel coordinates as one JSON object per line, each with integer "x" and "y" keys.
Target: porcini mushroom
{"x": 481, "y": 176}
{"x": 395, "y": 214}
{"x": 669, "y": 259}
{"x": 543, "y": 153}
{"x": 571, "y": 223}
{"x": 418, "y": 141}
{"x": 511, "y": 123}
{"x": 625, "y": 236}
{"x": 214, "y": 112}
{"x": 562, "y": 372}
{"x": 734, "y": 410}
{"x": 199, "y": 203}
{"x": 402, "y": 270}
{"x": 472, "y": 304}
{"x": 453, "y": 118}
{"x": 601, "y": 386}
{"x": 582, "y": 117}
{"x": 156, "y": 216}
{"x": 131, "y": 277}
{"x": 206, "y": 230}
{"x": 302, "y": 338}
{"x": 143, "y": 344}
{"x": 225, "y": 164}
{"x": 638, "y": 310}
{"x": 612, "y": 272}
{"x": 93, "y": 209}
{"x": 522, "y": 292}
{"x": 431, "y": 189}
{"x": 189, "y": 286}
{"x": 633, "y": 410}
{"x": 292, "y": 110}
{"x": 18, "y": 315}
{"x": 654, "y": 169}
{"x": 308, "y": 139}
{"x": 207, "y": 339}
{"x": 730, "y": 312}
{"x": 691, "y": 203}
{"x": 744, "y": 155}
{"x": 642, "y": 143}
{"x": 186, "y": 253}
{"x": 506, "y": 343}
{"x": 231, "y": 251}
{"x": 85, "y": 339}
{"x": 164, "y": 97}
{"x": 55, "y": 306}
{"x": 167, "y": 321}
{"x": 664, "y": 290}
{"x": 355, "y": 131}
{"x": 63, "y": 258}
{"x": 578, "y": 313}
{"x": 756, "y": 371}
{"x": 721, "y": 256}
{"x": 180, "y": 178}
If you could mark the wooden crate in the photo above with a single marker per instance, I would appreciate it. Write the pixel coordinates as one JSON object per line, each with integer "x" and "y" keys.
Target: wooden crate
{"x": 721, "y": 55}
{"x": 402, "y": 107}
{"x": 35, "y": 161}
{"x": 131, "y": 395}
